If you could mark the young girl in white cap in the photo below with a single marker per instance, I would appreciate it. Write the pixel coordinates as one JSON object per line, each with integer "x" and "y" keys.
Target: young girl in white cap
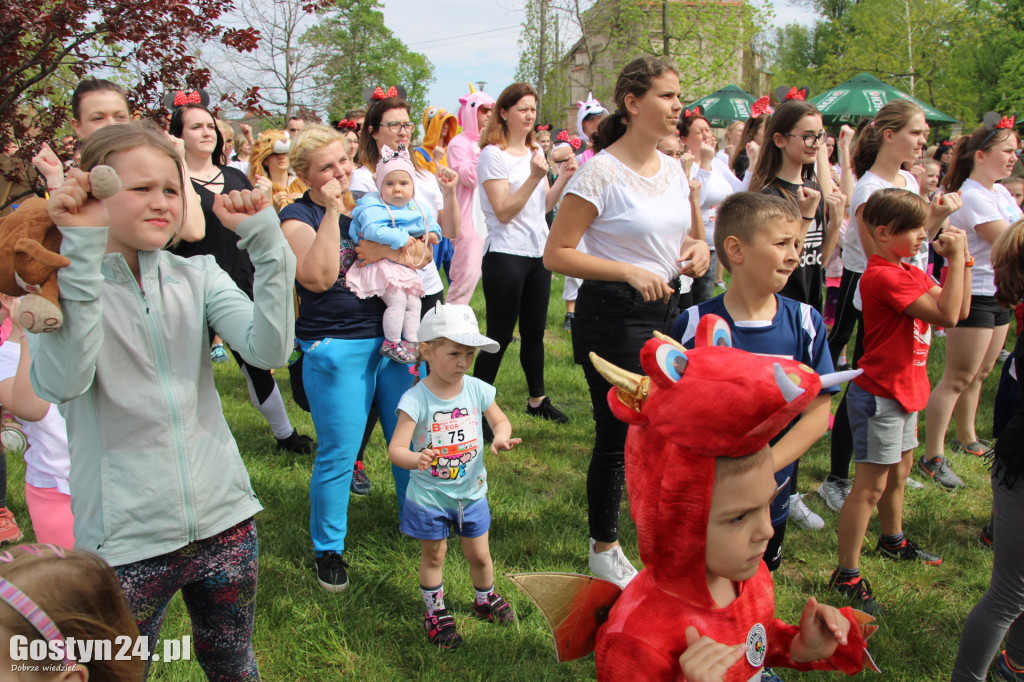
{"x": 441, "y": 416}
{"x": 392, "y": 217}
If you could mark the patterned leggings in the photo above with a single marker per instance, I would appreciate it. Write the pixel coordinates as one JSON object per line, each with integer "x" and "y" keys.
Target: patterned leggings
{"x": 217, "y": 579}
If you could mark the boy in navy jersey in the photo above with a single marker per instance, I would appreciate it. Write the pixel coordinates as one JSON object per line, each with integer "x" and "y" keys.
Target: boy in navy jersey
{"x": 757, "y": 237}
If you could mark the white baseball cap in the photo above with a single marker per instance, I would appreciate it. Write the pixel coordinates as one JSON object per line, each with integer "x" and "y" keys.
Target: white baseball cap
{"x": 457, "y": 323}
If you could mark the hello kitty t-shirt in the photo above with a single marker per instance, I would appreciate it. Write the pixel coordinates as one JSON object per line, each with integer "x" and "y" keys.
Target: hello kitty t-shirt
{"x": 453, "y": 429}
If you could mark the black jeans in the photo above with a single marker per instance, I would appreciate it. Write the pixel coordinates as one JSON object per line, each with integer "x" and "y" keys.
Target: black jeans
{"x": 516, "y": 288}
{"x": 613, "y": 321}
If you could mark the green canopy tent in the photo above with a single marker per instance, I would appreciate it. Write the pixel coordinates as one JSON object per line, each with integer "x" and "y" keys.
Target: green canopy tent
{"x": 861, "y": 97}
{"x": 722, "y": 107}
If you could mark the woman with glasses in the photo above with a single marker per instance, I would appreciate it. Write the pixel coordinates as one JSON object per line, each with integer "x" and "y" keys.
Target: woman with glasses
{"x": 388, "y": 123}
{"x": 794, "y": 141}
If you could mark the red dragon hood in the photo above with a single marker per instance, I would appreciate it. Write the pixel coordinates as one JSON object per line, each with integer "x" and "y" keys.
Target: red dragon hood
{"x": 695, "y": 405}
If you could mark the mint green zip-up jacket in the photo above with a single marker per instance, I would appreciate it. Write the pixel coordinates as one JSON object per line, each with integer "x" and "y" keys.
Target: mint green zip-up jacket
{"x": 153, "y": 463}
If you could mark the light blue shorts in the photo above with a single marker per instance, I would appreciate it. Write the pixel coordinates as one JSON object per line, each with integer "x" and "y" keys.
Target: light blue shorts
{"x": 468, "y": 518}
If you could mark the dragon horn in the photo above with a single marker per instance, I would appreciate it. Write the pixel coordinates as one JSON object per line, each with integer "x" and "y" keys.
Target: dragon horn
{"x": 633, "y": 388}
{"x": 669, "y": 340}
{"x": 836, "y": 378}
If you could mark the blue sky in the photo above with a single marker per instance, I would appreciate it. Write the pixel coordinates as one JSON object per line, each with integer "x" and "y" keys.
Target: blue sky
{"x": 476, "y": 41}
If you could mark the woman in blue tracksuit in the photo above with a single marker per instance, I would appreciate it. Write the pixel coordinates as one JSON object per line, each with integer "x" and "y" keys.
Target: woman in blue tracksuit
{"x": 340, "y": 335}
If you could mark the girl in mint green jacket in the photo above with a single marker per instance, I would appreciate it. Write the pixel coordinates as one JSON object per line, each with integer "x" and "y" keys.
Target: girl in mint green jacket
{"x": 158, "y": 488}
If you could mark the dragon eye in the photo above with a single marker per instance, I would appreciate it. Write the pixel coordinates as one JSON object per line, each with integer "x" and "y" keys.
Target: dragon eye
{"x": 672, "y": 362}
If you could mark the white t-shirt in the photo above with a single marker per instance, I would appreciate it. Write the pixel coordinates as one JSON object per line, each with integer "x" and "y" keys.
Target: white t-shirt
{"x": 983, "y": 205}
{"x": 854, "y": 258}
{"x": 527, "y": 232}
{"x": 640, "y": 221}
{"x": 47, "y": 462}
{"x": 428, "y": 195}
{"x": 714, "y": 189}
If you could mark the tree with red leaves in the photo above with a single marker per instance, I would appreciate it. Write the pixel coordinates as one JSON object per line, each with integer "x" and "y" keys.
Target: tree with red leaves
{"x": 157, "y": 39}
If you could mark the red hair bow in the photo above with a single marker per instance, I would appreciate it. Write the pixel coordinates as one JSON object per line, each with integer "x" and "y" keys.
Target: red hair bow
{"x": 696, "y": 111}
{"x": 346, "y": 124}
{"x": 181, "y": 99}
{"x": 793, "y": 93}
{"x": 379, "y": 93}
{"x": 564, "y": 137}
{"x": 761, "y": 107}
{"x": 1005, "y": 122}
{"x": 540, "y": 128}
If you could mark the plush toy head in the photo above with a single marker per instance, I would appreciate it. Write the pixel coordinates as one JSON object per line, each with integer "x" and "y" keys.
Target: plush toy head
{"x": 30, "y": 256}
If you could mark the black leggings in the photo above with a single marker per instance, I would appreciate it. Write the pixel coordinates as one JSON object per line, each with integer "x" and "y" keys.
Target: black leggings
{"x": 613, "y": 321}
{"x": 847, "y": 315}
{"x": 842, "y": 436}
{"x": 516, "y": 288}
{"x": 262, "y": 380}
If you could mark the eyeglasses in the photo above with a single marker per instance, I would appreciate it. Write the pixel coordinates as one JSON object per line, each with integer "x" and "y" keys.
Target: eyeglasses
{"x": 486, "y": 110}
{"x": 810, "y": 141}
{"x": 395, "y": 126}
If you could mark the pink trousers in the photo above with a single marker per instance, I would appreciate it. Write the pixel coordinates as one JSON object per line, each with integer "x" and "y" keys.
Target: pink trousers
{"x": 51, "y": 515}
{"x": 465, "y": 267}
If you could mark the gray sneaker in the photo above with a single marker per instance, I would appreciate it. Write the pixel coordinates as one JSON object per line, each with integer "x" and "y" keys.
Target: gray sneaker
{"x": 939, "y": 471}
{"x": 834, "y": 492}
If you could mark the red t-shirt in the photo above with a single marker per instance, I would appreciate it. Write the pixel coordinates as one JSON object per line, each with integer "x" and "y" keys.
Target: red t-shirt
{"x": 895, "y": 361}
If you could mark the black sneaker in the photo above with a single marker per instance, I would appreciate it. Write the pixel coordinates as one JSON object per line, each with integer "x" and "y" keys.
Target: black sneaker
{"x": 567, "y": 325}
{"x": 440, "y": 627}
{"x": 858, "y": 591}
{"x": 496, "y": 610}
{"x": 297, "y": 443}
{"x": 330, "y": 572}
{"x": 547, "y": 411}
{"x": 360, "y": 481}
{"x": 908, "y": 551}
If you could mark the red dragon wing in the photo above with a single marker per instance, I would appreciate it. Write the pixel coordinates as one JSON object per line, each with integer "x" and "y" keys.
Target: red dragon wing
{"x": 573, "y": 605}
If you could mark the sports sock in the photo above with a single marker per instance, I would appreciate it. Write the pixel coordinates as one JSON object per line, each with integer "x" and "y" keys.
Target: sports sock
{"x": 893, "y": 541}
{"x": 847, "y": 574}
{"x": 433, "y": 597}
{"x": 483, "y": 596}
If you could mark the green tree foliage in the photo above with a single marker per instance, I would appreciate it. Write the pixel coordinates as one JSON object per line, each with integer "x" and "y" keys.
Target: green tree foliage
{"x": 963, "y": 57}
{"x": 360, "y": 51}
{"x": 707, "y": 39}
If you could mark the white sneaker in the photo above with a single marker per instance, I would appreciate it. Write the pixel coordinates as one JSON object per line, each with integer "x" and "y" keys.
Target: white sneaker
{"x": 612, "y": 565}
{"x": 802, "y": 514}
{"x": 914, "y": 485}
{"x": 834, "y": 492}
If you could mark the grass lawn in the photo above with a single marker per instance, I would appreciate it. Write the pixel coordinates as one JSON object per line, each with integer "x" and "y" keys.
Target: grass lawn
{"x": 372, "y": 630}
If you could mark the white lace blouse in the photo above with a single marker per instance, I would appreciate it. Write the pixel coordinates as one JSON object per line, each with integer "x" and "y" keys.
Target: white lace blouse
{"x": 640, "y": 221}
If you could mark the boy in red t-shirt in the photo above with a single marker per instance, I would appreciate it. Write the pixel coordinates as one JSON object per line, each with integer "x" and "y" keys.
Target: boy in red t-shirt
{"x": 899, "y": 303}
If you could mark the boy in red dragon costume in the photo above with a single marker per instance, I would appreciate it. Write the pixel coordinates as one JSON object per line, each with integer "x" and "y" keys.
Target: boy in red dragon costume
{"x": 704, "y": 602}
